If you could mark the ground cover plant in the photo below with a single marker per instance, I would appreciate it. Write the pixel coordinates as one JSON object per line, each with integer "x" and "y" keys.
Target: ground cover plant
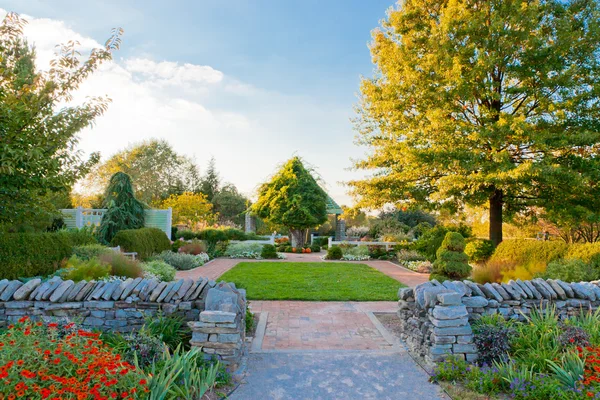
{"x": 544, "y": 357}
{"x": 312, "y": 281}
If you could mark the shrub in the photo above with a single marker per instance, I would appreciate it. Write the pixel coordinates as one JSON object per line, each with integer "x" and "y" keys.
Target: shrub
{"x": 289, "y": 249}
{"x": 185, "y": 235}
{"x": 489, "y": 272}
{"x": 586, "y": 252}
{"x": 121, "y": 265}
{"x": 451, "y": 261}
{"x": 493, "y": 341}
{"x": 268, "y": 251}
{"x": 334, "y": 253}
{"x": 409, "y": 255}
{"x": 430, "y": 241}
{"x": 243, "y": 250}
{"x": 90, "y": 251}
{"x": 195, "y": 247}
{"x": 357, "y": 231}
{"x": 181, "y": 261}
{"x": 136, "y": 346}
{"x": 145, "y": 241}
{"x": 573, "y": 336}
{"x": 160, "y": 269}
{"x": 77, "y": 364}
{"x": 520, "y": 258}
{"x": 315, "y": 248}
{"x": 570, "y": 271}
{"x": 479, "y": 250}
{"x": 423, "y": 267}
{"x": 38, "y": 254}
{"x": 452, "y": 369}
{"x": 85, "y": 270}
{"x": 356, "y": 251}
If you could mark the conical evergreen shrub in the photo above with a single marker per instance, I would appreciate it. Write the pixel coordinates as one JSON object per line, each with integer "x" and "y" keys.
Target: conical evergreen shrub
{"x": 451, "y": 263}
{"x": 124, "y": 211}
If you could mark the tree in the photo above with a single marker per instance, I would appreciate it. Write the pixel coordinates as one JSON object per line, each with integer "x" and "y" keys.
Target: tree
{"x": 451, "y": 263}
{"x": 294, "y": 199}
{"x": 230, "y": 205}
{"x": 157, "y": 171}
{"x": 38, "y": 128}
{"x": 190, "y": 208}
{"x": 482, "y": 102}
{"x": 211, "y": 182}
{"x": 124, "y": 211}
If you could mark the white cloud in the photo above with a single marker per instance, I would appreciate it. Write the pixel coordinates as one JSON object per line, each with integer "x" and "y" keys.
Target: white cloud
{"x": 166, "y": 72}
{"x": 204, "y": 112}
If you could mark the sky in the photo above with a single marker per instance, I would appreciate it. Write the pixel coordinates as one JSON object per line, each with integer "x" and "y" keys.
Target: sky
{"x": 252, "y": 83}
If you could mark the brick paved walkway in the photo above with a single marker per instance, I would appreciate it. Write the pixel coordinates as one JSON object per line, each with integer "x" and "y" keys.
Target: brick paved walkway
{"x": 333, "y": 325}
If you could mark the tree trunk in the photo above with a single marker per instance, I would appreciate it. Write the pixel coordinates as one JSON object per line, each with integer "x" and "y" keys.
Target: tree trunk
{"x": 496, "y": 203}
{"x": 298, "y": 237}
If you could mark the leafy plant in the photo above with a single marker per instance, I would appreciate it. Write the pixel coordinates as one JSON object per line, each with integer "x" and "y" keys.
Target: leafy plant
{"x": 404, "y": 255}
{"x": 244, "y": 250}
{"x": 181, "y": 261}
{"x": 160, "y": 270}
{"x": 144, "y": 241}
{"x": 334, "y": 253}
{"x": 573, "y": 336}
{"x": 571, "y": 270}
{"x": 451, "y": 261}
{"x": 570, "y": 372}
{"x": 89, "y": 251}
{"x": 479, "y": 250}
{"x": 171, "y": 329}
{"x": 195, "y": 247}
{"x": 452, "y": 369}
{"x": 85, "y": 270}
{"x": 493, "y": 341}
{"x": 268, "y": 251}
{"x": 121, "y": 265}
{"x": 124, "y": 211}
{"x": 136, "y": 347}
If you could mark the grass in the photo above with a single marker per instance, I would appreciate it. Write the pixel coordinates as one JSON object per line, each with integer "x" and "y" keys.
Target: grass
{"x": 312, "y": 281}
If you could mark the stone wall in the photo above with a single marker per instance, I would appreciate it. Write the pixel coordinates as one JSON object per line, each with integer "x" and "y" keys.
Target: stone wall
{"x": 123, "y": 306}
{"x": 436, "y": 318}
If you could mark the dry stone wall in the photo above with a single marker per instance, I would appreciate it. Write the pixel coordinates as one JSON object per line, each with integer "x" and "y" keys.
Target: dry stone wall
{"x": 123, "y": 305}
{"x": 436, "y": 317}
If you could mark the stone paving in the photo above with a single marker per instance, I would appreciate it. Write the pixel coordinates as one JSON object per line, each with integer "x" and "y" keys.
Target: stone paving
{"x": 335, "y": 375}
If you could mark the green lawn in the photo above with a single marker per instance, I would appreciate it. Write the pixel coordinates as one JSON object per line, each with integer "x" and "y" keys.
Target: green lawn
{"x": 312, "y": 281}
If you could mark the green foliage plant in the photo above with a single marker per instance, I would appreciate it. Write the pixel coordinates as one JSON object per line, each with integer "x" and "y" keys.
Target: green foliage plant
{"x": 159, "y": 269}
{"x": 479, "y": 250}
{"x": 244, "y": 250}
{"x": 172, "y": 329}
{"x": 40, "y": 126}
{"x": 38, "y": 254}
{"x": 268, "y": 252}
{"x": 123, "y": 212}
{"x": 571, "y": 270}
{"x": 181, "y": 261}
{"x": 292, "y": 199}
{"x": 122, "y": 265}
{"x": 89, "y": 251}
{"x": 86, "y": 270}
{"x": 334, "y": 253}
{"x": 451, "y": 262}
{"x": 144, "y": 241}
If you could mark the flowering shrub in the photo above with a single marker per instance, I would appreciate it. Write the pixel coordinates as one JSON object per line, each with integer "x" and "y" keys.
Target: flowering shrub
{"x": 160, "y": 270}
{"x": 423, "y": 267}
{"x": 37, "y": 361}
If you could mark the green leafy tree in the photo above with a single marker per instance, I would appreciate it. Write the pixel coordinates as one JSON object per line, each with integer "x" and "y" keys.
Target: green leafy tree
{"x": 157, "y": 171}
{"x": 124, "y": 211}
{"x": 293, "y": 199}
{"x": 230, "y": 204}
{"x": 38, "y": 127}
{"x": 482, "y": 103}
{"x": 210, "y": 182}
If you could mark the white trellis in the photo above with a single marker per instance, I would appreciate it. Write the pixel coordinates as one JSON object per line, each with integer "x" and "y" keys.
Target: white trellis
{"x": 81, "y": 217}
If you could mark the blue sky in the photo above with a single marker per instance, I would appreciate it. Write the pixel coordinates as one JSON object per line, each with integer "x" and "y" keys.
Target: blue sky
{"x": 249, "y": 82}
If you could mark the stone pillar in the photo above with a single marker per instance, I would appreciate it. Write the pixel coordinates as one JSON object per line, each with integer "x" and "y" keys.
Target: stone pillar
{"x": 249, "y": 224}
{"x": 219, "y": 333}
{"x": 340, "y": 228}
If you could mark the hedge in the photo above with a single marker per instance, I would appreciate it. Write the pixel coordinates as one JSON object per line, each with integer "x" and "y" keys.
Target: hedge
{"x": 521, "y": 258}
{"x": 144, "y": 241}
{"x": 24, "y": 255}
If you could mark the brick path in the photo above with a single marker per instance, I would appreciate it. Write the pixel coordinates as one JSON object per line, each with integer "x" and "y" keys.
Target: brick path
{"x": 333, "y": 325}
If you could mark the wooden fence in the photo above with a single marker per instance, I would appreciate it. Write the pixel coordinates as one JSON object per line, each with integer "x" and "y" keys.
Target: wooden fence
{"x": 387, "y": 245}
{"x": 80, "y": 217}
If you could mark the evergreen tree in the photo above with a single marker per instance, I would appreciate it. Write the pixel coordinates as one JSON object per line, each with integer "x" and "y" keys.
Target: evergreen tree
{"x": 293, "y": 199}
{"x": 491, "y": 102}
{"x": 211, "y": 182}
{"x": 124, "y": 211}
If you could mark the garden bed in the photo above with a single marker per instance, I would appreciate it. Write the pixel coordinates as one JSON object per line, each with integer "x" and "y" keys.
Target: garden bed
{"x": 312, "y": 281}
